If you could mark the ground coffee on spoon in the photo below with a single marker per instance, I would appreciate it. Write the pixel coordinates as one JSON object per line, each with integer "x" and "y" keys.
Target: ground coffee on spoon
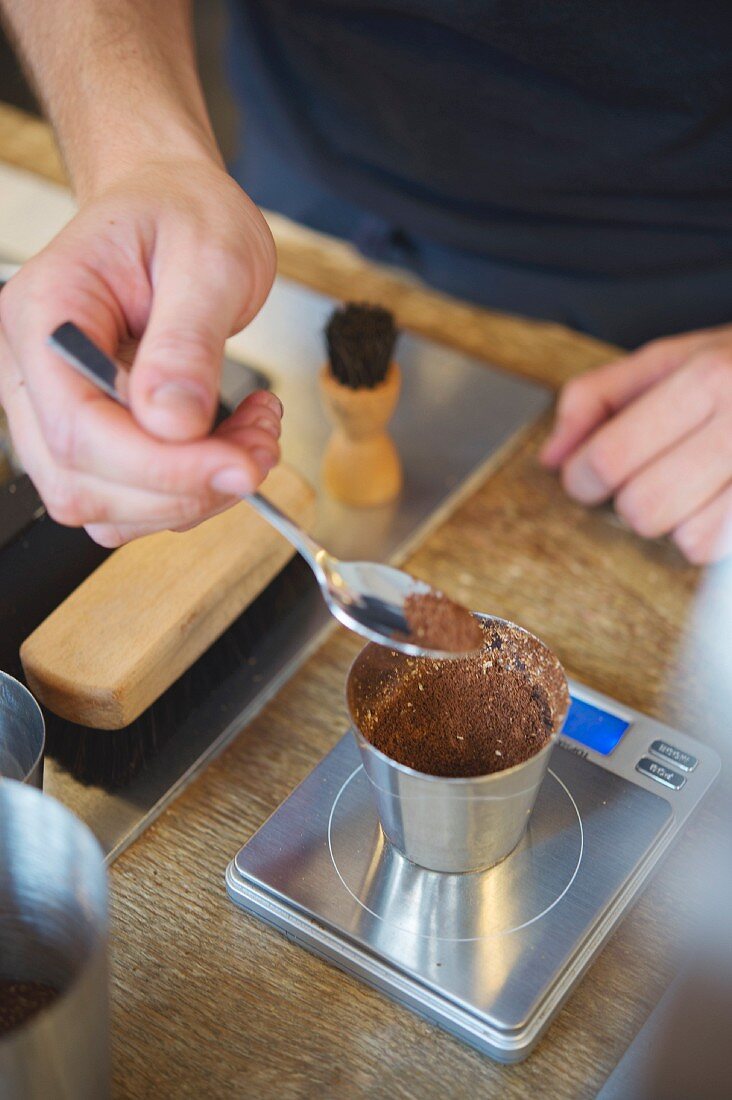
{"x": 437, "y": 622}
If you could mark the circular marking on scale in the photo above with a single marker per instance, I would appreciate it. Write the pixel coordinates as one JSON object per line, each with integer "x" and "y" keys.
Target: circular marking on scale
{"x": 392, "y": 875}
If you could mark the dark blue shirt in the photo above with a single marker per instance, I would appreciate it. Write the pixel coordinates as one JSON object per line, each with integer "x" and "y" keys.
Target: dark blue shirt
{"x": 571, "y": 160}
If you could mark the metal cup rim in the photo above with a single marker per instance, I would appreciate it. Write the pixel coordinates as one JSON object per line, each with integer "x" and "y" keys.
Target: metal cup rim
{"x": 463, "y": 780}
{"x": 36, "y": 704}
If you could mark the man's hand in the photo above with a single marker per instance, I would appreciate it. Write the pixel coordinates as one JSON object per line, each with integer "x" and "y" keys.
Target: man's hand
{"x": 166, "y": 253}
{"x": 654, "y": 431}
{"x": 174, "y": 257}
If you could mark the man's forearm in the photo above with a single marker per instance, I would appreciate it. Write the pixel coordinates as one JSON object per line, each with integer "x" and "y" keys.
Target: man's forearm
{"x": 117, "y": 79}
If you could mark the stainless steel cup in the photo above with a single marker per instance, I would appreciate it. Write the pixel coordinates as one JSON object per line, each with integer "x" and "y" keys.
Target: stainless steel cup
{"x": 448, "y": 824}
{"x": 53, "y": 930}
{"x": 22, "y": 733}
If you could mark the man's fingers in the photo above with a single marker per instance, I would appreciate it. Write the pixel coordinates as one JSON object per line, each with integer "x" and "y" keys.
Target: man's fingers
{"x": 588, "y": 401}
{"x": 75, "y": 499}
{"x": 174, "y": 382}
{"x": 263, "y": 399}
{"x": 114, "y": 535}
{"x": 32, "y": 305}
{"x": 707, "y": 536}
{"x": 679, "y": 483}
{"x": 255, "y": 428}
{"x": 98, "y": 437}
{"x": 260, "y": 409}
{"x": 110, "y": 446}
{"x": 657, "y": 420}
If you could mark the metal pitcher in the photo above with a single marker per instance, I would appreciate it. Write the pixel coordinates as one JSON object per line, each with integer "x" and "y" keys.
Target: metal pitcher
{"x": 452, "y": 824}
{"x": 53, "y": 930}
{"x": 22, "y": 733}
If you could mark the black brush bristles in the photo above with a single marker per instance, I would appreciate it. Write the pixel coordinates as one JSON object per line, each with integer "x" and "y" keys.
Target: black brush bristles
{"x": 112, "y": 759}
{"x": 107, "y": 758}
{"x": 361, "y": 341}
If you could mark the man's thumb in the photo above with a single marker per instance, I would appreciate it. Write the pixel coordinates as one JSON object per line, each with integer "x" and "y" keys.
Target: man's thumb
{"x": 174, "y": 382}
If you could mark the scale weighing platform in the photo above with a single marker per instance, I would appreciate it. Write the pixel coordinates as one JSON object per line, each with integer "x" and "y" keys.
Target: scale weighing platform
{"x": 489, "y": 956}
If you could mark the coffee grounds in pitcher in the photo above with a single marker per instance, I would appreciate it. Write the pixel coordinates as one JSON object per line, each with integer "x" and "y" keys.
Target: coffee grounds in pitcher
{"x": 21, "y": 1001}
{"x": 472, "y": 716}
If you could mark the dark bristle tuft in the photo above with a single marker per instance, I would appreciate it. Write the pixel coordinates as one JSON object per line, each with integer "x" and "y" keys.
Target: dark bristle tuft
{"x": 107, "y": 758}
{"x": 361, "y": 341}
{"x": 112, "y": 759}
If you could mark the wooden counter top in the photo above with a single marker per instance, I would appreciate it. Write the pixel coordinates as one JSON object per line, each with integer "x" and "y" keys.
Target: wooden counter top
{"x": 208, "y": 1002}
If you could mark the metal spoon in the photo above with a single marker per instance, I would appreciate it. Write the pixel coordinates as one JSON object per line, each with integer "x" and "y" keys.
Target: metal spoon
{"x": 365, "y": 596}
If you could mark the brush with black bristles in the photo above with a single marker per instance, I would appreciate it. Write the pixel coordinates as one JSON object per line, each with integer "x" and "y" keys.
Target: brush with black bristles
{"x": 112, "y": 759}
{"x": 360, "y": 387}
{"x": 42, "y": 567}
{"x": 361, "y": 341}
{"x": 122, "y": 662}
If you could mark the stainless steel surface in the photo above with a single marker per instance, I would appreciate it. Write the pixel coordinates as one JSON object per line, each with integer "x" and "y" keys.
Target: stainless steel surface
{"x": 22, "y": 733}
{"x": 367, "y": 597}
{"x": 440, "y": 823}
{"x": 53, "y": 929}
{"x": 489, "y": 956}
{"x": 473, "y": 409}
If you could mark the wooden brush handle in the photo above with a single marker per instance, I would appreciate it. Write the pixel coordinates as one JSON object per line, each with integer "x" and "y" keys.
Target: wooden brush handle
{"x": 153, "y": 607}
{"x": 361, "y": 465}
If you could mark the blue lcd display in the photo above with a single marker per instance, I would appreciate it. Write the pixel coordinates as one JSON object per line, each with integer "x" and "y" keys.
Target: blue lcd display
{"x": 594, "y": 727}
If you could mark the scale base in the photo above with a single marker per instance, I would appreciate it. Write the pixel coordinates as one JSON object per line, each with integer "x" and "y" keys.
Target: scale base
{"x": 490, "y": 956}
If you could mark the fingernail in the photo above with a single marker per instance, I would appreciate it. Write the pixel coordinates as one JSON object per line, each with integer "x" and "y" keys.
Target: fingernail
{"x": 180, "y": 398}
{"x": 264, "y": 459}
{"x": 280, "y": 406}
{"x": 232, "y": 481}
{"x": 267, "y": 426}
{"x": 584, "y": 485}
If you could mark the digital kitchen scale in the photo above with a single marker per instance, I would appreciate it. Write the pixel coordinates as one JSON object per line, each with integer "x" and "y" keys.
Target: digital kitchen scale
{"x": 491, "y": 956}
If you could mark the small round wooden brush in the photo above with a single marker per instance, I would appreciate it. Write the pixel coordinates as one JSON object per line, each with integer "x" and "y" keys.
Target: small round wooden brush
{"x": 360, "y": 388}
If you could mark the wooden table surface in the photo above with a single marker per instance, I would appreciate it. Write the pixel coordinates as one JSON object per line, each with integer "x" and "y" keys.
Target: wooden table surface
{"x": 207, "y": 1001}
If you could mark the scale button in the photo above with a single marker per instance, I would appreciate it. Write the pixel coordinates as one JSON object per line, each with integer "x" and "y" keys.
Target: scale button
{"x": 660, "y": 773}
{"x": 681, "y": 759}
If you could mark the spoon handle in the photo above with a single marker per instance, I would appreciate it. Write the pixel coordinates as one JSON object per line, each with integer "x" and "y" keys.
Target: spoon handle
{"x": 312, "y": 551}
{"x": 80, "y": 352}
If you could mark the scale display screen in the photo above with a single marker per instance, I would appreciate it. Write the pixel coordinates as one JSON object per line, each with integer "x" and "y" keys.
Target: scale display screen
{"x": 596, "y": 728}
